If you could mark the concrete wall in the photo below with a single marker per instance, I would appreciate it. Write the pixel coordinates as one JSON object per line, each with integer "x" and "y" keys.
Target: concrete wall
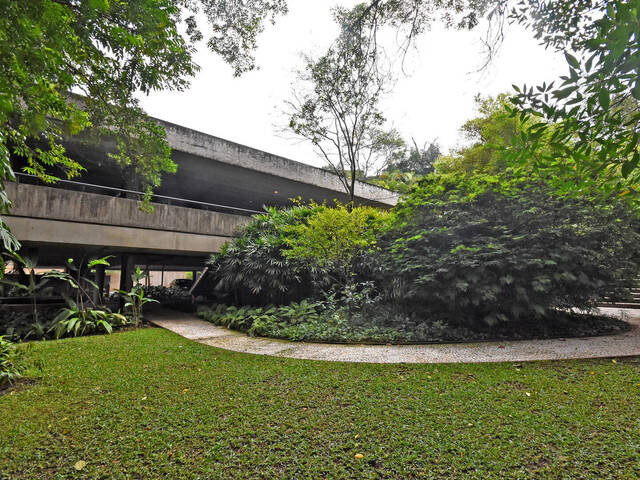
{"x": 45, "y": 215}
{"x": 224, "y": 151}
{"x": 55, "y": 203}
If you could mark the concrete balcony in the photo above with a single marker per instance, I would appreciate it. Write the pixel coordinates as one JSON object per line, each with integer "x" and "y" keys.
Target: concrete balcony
{"x": 50, "y": 217}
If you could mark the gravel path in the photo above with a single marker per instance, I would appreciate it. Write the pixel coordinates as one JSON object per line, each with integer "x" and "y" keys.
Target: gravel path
{"x": 624, "y": 344}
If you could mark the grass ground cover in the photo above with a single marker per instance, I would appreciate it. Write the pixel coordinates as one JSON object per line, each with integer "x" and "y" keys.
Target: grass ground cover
{"x": 150, "y": 404}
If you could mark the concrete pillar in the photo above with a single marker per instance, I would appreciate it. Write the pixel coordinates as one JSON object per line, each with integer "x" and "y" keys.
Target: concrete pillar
{"x": 100, "y": 273}
{"x": 128, "y": 266}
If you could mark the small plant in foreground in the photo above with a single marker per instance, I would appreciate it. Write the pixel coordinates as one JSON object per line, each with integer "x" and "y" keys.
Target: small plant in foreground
{"x": 82, "y": 316}
{"x": 77, "y": 321}
{"x": 10, "y": 357}
{"x": 135, "y": 298}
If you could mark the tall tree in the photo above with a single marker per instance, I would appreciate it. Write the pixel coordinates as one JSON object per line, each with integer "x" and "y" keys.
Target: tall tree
{"x": 336, "y": 104}
{"x": 107, "y": 51}
{"x": 416, "y": 159}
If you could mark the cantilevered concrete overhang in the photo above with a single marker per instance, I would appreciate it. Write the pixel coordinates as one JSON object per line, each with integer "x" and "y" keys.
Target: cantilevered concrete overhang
{"x": 251, "y": 178}
{"x": 214, "y": 170}
{"x": 64, "y": 223}
{"x": 217, "y": 186}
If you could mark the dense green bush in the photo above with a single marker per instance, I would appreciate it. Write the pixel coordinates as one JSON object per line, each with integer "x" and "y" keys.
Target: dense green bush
{"x": 171, "y": 297}
{"x": 470, "y": 253}
{"x": 333, "y": 239}
{"x": 253, "y": 266}
{"x": 18, "y": 324}
{"x": 461, "y": 257}
{"x": 291, "y": 254}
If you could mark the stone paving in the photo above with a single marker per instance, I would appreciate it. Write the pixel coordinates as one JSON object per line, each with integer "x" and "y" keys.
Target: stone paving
{"x": 624, "y": 344}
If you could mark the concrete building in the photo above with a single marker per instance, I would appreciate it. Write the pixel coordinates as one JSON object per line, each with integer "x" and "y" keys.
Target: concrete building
{"x": 218, "y": 185}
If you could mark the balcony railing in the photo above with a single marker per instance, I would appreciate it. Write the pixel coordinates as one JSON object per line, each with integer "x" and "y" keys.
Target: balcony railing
{"x": 122, "y": 192}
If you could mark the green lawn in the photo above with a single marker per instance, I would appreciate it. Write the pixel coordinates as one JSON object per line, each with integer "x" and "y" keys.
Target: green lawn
{"x": 150, "y": 404}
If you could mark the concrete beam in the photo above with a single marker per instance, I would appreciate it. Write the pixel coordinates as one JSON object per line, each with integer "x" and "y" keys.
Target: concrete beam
{"x": 35, "y": 201}
{"x": 56, "y": 232}
{"x": 224, "y": 151}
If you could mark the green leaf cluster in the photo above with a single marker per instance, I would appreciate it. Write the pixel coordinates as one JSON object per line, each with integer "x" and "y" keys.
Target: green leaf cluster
{"x": 11, "y": 367}
{"x": 476, "y": 253}
{"x": 332, "y": 239}
{"x": 592, "y": 112}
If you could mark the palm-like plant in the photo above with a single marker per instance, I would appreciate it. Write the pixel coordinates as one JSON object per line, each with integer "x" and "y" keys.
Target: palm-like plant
{"x": 77, "y": 321}
{"x": 135, "y": 298}
{"x": 254, "y": 262}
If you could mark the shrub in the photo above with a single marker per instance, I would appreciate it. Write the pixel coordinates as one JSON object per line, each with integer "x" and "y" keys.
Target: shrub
{"x": 171, "y": 297}
{"x": 253, "y": 267}
{"x": 19, "y": 325}
{"x": 331, "y": 239}
{"x": 492, "y": 257}
{"x": 10, "y": 362}
{"x": 182, "y": 284}
{"x": 291, "y": 254}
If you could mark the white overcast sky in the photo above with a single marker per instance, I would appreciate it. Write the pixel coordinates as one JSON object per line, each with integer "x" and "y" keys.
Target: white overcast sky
{"x": 432, "y": 102}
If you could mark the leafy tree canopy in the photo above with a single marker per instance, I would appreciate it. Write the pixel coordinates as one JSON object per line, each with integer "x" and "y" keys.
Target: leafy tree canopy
{"x": 594, "y": 108}
{"x": 488, "y": 135}
{"x": 107, "y": 51}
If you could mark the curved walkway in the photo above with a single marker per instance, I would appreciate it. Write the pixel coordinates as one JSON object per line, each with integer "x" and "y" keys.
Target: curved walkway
{"x": 621, "y": 345}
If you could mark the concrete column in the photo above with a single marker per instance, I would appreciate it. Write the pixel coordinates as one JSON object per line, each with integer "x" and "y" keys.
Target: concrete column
{"x": 128, "y": 266}
{"x": 100, "y": 273}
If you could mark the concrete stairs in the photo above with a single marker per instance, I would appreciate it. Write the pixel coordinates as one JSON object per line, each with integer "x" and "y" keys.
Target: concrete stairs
{"x": 633, "y": 302}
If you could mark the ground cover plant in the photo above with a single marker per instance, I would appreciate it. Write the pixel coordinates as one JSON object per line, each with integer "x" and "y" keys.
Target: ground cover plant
{"x": 318, "y": 322}
{"x": 178, "y": 409}
{"x": 10, "y": 363}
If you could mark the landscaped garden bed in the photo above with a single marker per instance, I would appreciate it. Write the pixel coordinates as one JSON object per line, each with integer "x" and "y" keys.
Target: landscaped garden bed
{"x": 335, "y": 327}
{"x": 459, "y": 259}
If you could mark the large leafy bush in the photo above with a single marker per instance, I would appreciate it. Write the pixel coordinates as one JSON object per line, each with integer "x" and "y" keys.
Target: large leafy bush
{"x": 484, "y": 251}
{"x": 253, "y": 266}
{"x": 291, "y": 254}
{"x": 332, "y": 239}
